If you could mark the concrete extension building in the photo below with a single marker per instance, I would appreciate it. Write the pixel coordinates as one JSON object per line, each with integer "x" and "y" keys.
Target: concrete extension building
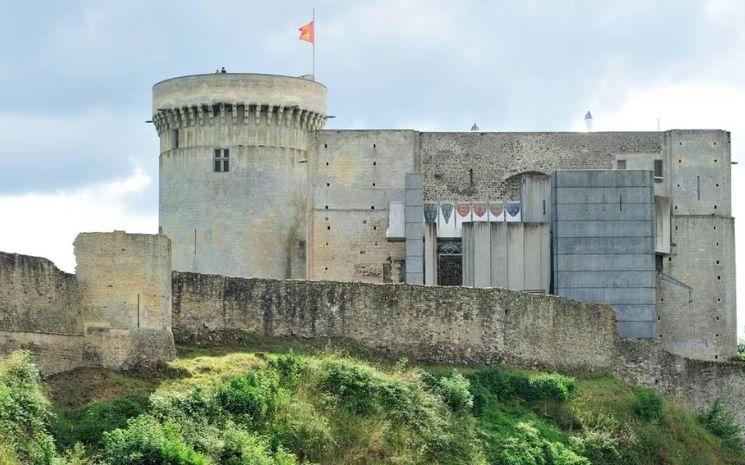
{"x": 251, "y": 185}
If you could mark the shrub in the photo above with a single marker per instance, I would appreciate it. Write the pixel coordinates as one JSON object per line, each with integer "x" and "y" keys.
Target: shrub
{"x": 354, "y": 385}
{"x": 88, "y": 425}
{"x": 303, "y": 431}
{"x": 648, "y": 405}
{"x": 289, "y": 366}
{"x": 454, "y": 391}
{"x": 242, "y": 448}
{"x": 722, "y": 423}
{"x": 252, "y": 395}
{"x": 527, "y": 447}
{"x": 145, "y": 441}
{"x": 504, "y": 385}
{"x": 24, "y": 412}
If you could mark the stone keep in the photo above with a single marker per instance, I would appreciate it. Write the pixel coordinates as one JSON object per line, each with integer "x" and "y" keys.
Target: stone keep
{"x": 233, "y": 171}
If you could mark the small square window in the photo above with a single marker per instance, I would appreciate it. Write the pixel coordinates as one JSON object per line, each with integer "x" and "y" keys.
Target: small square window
{"x": 621, "y": 164}
{"x": 221, "y": 161}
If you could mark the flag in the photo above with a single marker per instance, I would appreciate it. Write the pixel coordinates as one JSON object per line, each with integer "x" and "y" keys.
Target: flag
{"x": 307, "y": 32}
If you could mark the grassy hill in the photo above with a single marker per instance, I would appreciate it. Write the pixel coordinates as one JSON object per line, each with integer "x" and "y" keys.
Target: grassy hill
{"x": 274, "y": 404}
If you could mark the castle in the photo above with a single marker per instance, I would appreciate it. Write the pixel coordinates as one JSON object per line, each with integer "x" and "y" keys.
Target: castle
{"x": 609, "y": 252}
{"x": 251, "y": 185}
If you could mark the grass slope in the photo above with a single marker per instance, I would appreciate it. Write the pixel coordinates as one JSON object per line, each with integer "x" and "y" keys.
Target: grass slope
{"x": 315, "y": 405}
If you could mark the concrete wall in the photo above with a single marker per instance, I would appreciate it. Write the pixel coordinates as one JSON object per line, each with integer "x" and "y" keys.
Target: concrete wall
{"x": 603, "y": 233}
{"x": 251, "y": 220}
{"x": 514, "y": 256}
{"x": 445, "y": 324}
{"x": 115, "y": 313}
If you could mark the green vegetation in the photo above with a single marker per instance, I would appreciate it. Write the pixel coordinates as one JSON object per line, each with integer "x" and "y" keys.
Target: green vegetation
{"x": 741, "y": 351}
{"x": 227, "y": 406}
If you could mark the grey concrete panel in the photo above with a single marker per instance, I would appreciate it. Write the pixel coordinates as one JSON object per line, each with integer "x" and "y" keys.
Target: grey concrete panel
{"x": 414, "y": 248}
{"x": 604, "y": 212}
{"x": 599, "y": 262}
{"x": 637, "y": 329}
{"x": 621, "y": 197}
{"x": 604, "y": 245}
{"x": 603, "y": 178}
{"x": 414, "y": 214}
{"x": 611, "y": 296}
{"x": 635, "y": 312}
{"x": 606, "y": 279}
{"x": 603, "y": 229}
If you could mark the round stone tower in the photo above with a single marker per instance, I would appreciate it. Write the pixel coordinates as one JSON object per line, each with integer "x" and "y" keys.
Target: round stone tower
{"x": 233, "y": 171}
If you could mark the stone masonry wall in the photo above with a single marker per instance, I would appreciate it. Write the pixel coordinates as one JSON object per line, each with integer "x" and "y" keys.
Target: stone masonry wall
{"x": 115, "y": 313}
{"x": 448, "y": 325}
{"x": 40, "y": 310}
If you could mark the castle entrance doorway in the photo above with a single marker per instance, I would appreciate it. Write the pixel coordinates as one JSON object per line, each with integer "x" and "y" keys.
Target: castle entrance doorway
{"x": 450, "y": 263}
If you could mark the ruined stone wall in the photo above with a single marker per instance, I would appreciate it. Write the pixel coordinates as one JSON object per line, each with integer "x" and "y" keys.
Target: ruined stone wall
{"x": 41, "y": 311}
{"x": 448, "y": 325}
{"x": 125, "y": 280}
{"x": 115, "y": 313}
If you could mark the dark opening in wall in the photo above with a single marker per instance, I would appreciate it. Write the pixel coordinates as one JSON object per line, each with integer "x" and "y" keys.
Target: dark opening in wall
{"x": 328, "y": 228}
{"x": 327, "y": 207}
{"x": 621, "y": 164}
{"x": 375, "y": 163}
{"x": 658, "y": 171}
{"x": 328, "y": 184}
{"x": 470, "y": 177}
{"x": 374, "y": 146}
{"x": 326, "y": 146}
{"x": 174, "y": 139}
{"x": 372, "y": 207}
{"x": 221, "y": 161}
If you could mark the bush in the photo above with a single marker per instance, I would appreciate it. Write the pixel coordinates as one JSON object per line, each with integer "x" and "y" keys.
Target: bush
{"x": 527, "y": 447}
{"x": 504, "y": 385}
{"x": 303, "y": 431}
{"x": 88, "y": 425}
{"x": 355, "y": 386}
{"x": 242, "y": 448}
{"x": 252, "y": 395}
{"x": 722, "y": 423}
{"x": 454, "y": 391}
{"x": 290, "y": 367}
{"x": 24, "y": 412}
{"x": 648, "y": 405}
{"x": 145, "y": 441}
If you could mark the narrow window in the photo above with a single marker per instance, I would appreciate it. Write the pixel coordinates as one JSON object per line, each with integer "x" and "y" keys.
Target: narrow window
{"x": 221, "y": 161}
{"x": 174, "y": 138}
{"x": 621, "y": 164}
{"x": 698, "y": 187}
{"x": 470, "y": 177}
{"x": 658, "y": 170}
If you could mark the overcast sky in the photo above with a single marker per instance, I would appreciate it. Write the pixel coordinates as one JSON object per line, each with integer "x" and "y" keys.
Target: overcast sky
{"x": 76, "y": 154}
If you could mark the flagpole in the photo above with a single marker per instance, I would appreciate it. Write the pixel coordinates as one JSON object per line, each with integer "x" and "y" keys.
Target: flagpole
{"x": 314, "y": 44}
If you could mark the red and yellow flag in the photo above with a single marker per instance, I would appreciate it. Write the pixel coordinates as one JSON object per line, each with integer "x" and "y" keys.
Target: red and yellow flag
{"x": 307, "y": 32}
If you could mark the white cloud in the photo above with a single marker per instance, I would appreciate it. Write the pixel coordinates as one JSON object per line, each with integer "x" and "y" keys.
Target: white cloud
{"x": 682, "y": 106}
{"x": 46, "y": 224}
